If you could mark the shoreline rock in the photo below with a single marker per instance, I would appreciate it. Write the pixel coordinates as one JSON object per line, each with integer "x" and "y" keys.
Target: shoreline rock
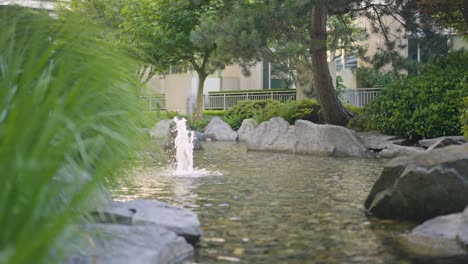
{"x": 422, "y": 186}
{"x": 306, "y": 137}
{"x": 441, "y": 237}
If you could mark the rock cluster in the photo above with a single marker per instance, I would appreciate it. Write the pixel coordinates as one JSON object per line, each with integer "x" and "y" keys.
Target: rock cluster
{"x": 306, "y": 137}
{"x": 140, "y": 232}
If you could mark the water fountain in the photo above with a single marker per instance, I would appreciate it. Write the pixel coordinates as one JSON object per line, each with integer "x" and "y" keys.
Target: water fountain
{"x": 183, "y": 144}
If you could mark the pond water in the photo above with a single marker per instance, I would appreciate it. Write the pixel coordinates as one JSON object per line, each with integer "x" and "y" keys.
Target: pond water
{"x": 259, "y": 207}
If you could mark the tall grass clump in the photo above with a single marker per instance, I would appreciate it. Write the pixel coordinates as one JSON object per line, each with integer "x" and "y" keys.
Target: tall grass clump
{"x": 68, "y": 118}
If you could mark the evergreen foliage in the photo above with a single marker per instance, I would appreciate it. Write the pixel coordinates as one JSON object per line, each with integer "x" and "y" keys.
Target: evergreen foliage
{"x": 68, "y": 108}
{"x": 301, "y": 109}
{"x": 464, "y": 117}
{"x": 424, "y": 106}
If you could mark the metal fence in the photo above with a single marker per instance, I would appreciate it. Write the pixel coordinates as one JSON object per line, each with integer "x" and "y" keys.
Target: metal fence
{"x": 154, "y": 102}
{"x": 358, "y": 97}
{"x": 223, "y": 101}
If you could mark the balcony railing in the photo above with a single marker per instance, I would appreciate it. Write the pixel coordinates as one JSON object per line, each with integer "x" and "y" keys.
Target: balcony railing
{"x": 358, "y": 97}
{"x": 223, "y": 101}
{"x": 154, "y": 102}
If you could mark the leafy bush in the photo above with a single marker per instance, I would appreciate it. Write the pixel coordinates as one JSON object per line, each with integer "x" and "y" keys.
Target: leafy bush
{"x": 198, "y": 124}
{"x": 357, "y": 110}
{"x": 64, "y": 112}
{"x": 302, "y": 109}
{"x": 219, "y": 113}
{"x": 259, "y": 110}
{"x": 370, "y": 77}
{"x": 464, "y": 117}
{"x": 424, "y": 106}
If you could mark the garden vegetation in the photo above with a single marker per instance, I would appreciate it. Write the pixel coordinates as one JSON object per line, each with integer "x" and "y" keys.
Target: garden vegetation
{"x": 68, "y": 119}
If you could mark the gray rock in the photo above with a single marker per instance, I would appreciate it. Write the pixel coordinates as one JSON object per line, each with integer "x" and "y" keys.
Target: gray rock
{"x": 387, "y": 146}
{"x": 199, "y": 136}
{"x": 246, "y": 129}
{"x": 71, "y": 180}
{"x": 307, "y": 138}
{"x": 140, "y": 212}
{"x": 273, "y": 135}
{"x": 454, "y": 140}
{"x": 330, "y": 140}
{"x": 123, "y": 244}
{"x": 422, "y": 186}
{"x": 446, "y": 141}
{"x": 436, "y": 238}
{"x": 219, "y": 130}
{"x": 392, "y": 151}
{"x": 162, "y": 129}
{"x": 462, "y": 233}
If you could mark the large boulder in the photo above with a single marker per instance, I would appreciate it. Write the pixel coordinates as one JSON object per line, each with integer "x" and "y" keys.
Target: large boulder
{"x": 122, "y": 244}
{"x": 141, "y": 212}
{"x": 440, "y": 237}
{"x": 219, "y": 130}
{"x": 422, "y": 186}
{"x": 336, "y": 141}
{"x": 246, "y": 129}
{"x": 273, "y": 135}
{"x": 162, "y": 129}
{"x": 307, "y": 138}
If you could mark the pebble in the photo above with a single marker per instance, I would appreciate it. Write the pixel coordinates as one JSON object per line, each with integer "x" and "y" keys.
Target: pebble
{"x": 232, "y": 259}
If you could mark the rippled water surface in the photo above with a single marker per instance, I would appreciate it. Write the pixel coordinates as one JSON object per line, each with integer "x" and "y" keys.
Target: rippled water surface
{"x": 259, "y": 207}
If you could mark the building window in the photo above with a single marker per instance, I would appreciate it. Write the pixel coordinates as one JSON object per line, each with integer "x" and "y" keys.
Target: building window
{"x": 426, "y": 48}
{"x": 351, "y": 62}
{"x": 339, "y": 64}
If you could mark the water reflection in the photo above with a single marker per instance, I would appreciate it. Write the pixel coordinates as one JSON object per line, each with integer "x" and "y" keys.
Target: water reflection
{"x": 280, "y": 208}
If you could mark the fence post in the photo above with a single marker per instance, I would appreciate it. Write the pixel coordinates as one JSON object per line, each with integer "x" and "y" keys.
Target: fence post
{"x": 224, "y": 101}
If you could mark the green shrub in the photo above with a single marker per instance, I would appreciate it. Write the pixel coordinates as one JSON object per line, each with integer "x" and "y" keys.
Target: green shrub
{"x": 427, "y": 105}
{"x": 198, "y": 124}
{"x": 302, "y": 109}
{"x": 219, "y": 113}
{"x": 464, "y": 117}
{"x": 370, "y": 77}
{"x": 259, "y": 110}
{"x": 68, "y": 108}
{"x": 357, "y": 110}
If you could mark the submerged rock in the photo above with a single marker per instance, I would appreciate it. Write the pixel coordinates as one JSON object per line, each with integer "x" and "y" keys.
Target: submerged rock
{"x": 422, "y": 186}
{"x": 141, "y": 212}
{"x": 219, "y": 130}
{"x": 123, "y": 244}
{"x": 307, "y": 138}
{"x": 246, "y": 129}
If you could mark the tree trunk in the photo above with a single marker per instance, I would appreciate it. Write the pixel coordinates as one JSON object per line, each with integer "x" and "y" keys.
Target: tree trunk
{"x": 199, "y": 105}
{"x": 332, "y": 110}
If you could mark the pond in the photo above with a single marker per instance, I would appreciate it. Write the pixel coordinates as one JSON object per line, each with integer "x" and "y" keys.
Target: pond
{"x": 259, "y": 207}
